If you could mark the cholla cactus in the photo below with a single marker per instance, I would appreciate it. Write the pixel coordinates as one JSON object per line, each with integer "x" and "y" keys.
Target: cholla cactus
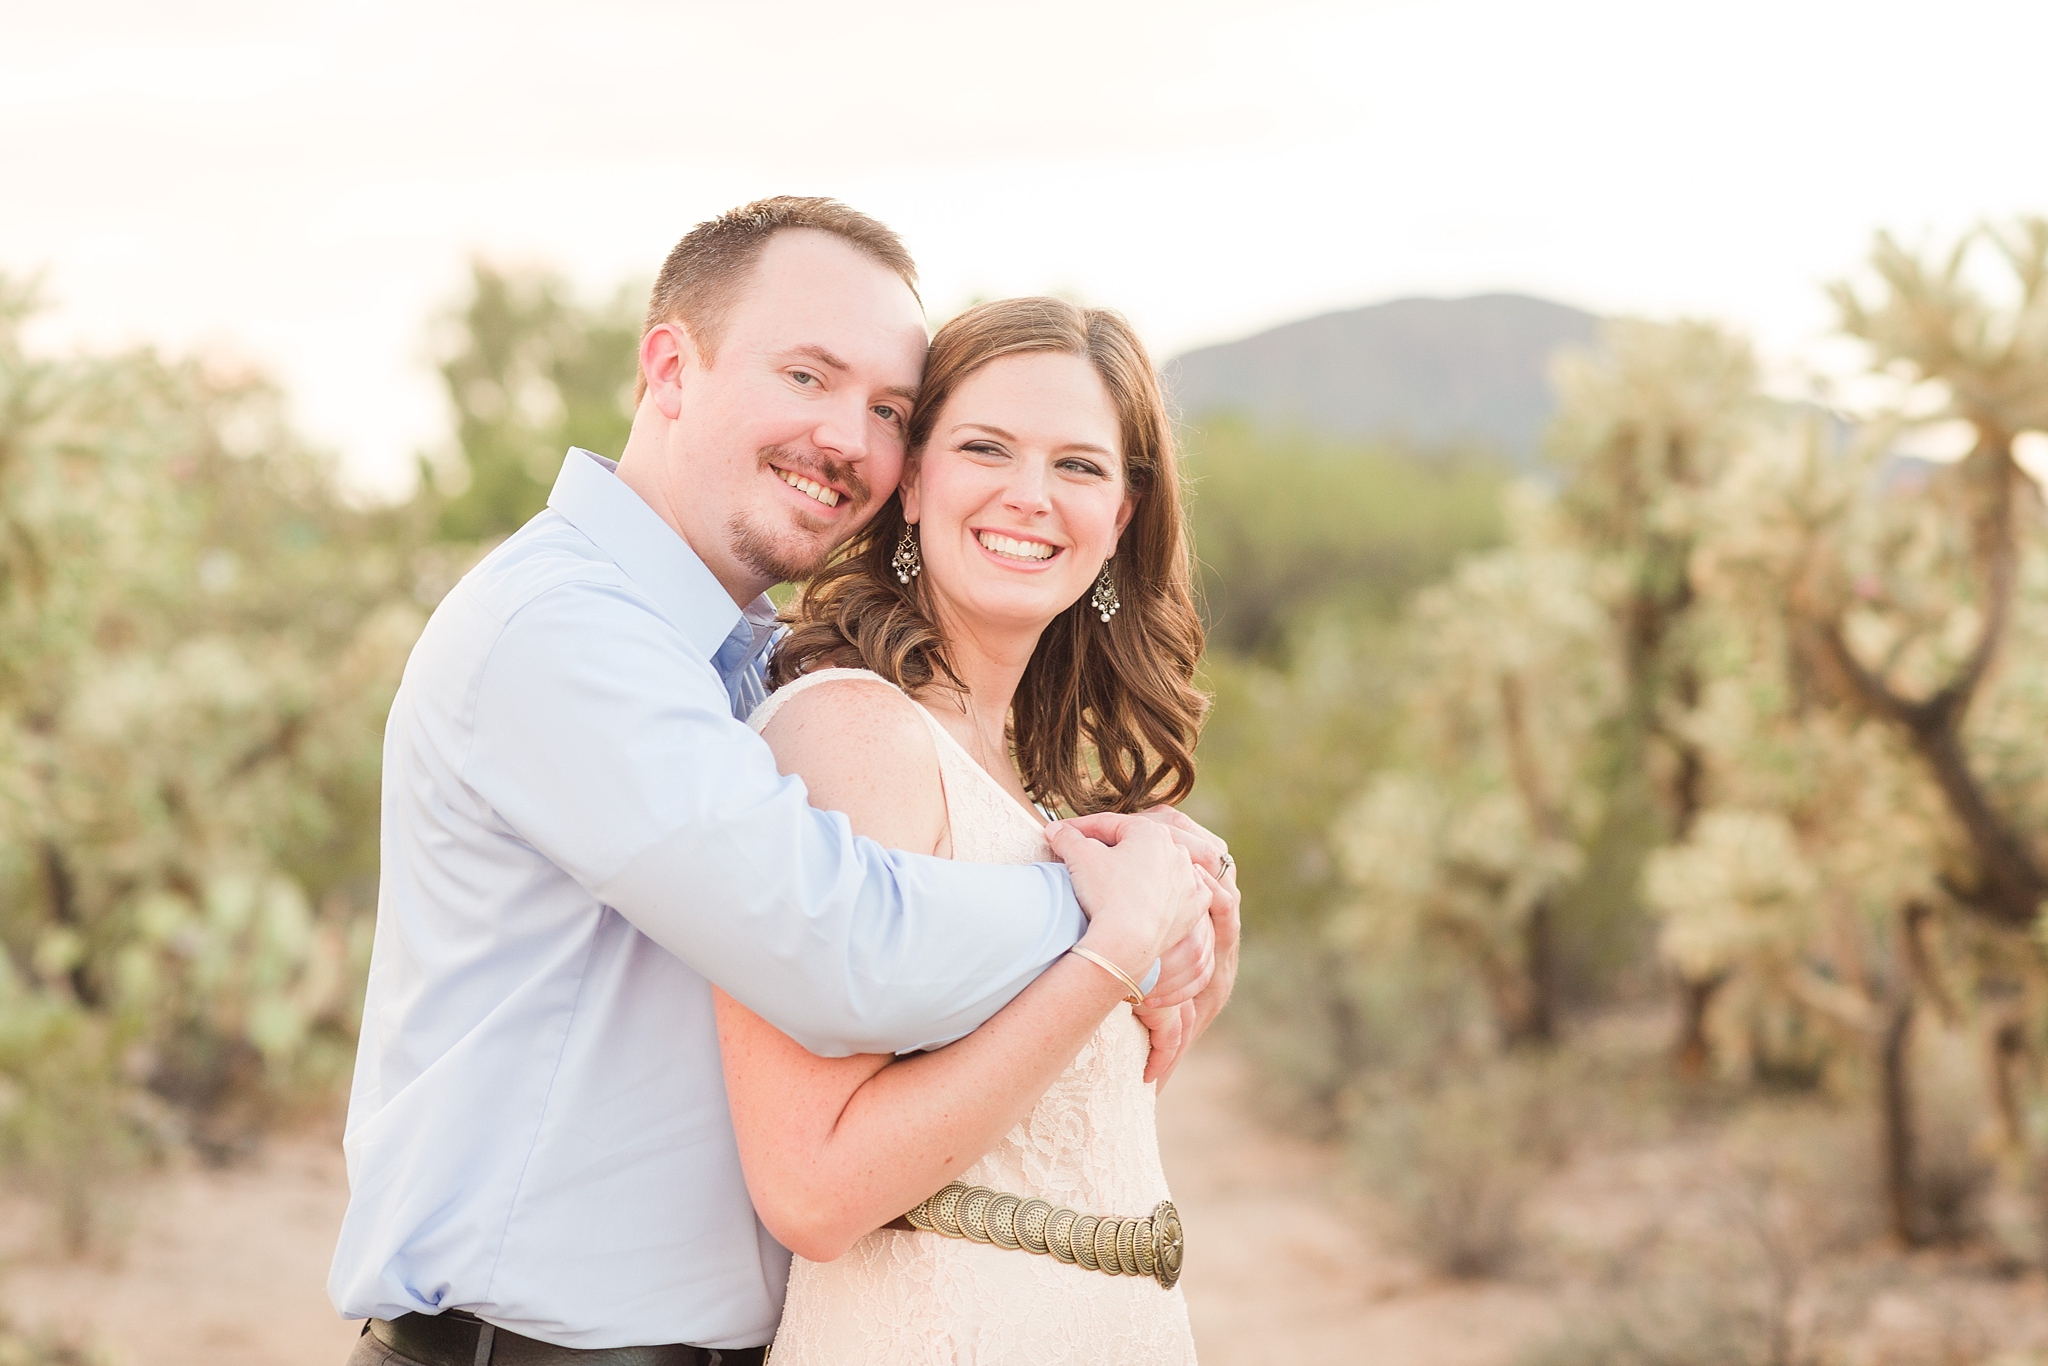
{"x": 1822, "y": 667}
{"x": 1647, "y": 428}
{"x": 1517, "y": 676}
{"x": 1737, "y": 891}
{"x": 1473, "y": 875}
{"x": 1738, "y": 902}
{"x": 1924, "y": 594}
{"x": 1881, "y": 628}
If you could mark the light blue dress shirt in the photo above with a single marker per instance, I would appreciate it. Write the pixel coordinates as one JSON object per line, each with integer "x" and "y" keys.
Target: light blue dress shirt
{"x": 578, "y": 839}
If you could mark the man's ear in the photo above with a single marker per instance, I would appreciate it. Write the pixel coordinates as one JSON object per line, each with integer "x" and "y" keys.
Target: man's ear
{"x": 666, "y": 354}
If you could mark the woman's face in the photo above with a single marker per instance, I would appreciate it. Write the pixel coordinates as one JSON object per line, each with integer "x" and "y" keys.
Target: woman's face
{"x": 1019, "y": 494}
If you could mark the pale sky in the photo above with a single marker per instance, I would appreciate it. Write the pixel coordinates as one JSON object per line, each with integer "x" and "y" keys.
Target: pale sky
{"x": 301, "y": 185}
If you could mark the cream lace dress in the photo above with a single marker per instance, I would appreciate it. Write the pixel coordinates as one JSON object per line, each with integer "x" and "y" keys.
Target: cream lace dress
{"x": 903, "y": 1298}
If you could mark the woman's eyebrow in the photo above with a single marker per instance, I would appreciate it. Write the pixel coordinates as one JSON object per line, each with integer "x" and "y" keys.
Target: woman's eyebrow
{"x": 1000, "y": 434}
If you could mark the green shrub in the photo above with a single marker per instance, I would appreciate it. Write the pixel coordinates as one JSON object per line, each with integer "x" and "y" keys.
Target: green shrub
{"x": 199, "y": 639}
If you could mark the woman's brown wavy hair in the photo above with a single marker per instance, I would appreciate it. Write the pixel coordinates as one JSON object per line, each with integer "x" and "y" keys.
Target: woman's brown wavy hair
{"x": 1106, "y": 714}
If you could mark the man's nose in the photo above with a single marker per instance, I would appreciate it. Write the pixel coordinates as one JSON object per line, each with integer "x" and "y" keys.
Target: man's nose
{"x": 844, "y": 431}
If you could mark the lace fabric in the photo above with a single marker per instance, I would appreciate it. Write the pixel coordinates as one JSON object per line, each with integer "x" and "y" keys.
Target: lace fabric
{"x": 1090, "y": 1143}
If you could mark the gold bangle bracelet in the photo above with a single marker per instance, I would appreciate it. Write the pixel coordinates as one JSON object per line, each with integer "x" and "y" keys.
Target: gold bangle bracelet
{"x": 1137, "y": 996}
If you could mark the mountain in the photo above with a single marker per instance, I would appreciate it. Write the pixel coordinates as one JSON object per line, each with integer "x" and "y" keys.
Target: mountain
{"x": 1431, "y": 372}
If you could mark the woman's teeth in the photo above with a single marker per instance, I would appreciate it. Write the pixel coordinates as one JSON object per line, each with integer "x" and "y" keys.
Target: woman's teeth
{"x": 1014, "y": 549}
{"x": 829, "y": 497}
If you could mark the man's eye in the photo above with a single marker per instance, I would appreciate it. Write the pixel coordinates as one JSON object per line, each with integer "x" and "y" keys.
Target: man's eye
{"x": 803, "y": 377}
{"x": 886, "y": 413}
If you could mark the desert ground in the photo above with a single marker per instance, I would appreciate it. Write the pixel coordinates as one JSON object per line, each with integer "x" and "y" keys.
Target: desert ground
{"x": 1288, "y": 1260}
{"x": 228, "y": 1267}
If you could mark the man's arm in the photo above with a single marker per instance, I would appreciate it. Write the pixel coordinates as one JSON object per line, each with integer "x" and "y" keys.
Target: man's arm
{"x": 605, "y": 744}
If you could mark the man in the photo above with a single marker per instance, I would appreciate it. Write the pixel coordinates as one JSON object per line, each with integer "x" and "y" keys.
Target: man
{"x": 579, "y": 838}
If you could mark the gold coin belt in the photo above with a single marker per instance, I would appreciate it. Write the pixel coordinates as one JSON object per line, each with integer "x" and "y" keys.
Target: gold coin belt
{"x": 1117, "y": 1247}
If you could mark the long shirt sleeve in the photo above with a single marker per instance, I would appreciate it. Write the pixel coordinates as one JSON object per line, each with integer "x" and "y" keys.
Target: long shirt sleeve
{"x": 619, "y": 762}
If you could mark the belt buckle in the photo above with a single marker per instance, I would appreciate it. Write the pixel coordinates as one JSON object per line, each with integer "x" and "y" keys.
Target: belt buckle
{"x": 1166, "y": 1244}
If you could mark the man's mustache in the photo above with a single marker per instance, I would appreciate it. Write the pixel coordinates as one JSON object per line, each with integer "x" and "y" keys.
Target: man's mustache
{"x": 821, "y": 469}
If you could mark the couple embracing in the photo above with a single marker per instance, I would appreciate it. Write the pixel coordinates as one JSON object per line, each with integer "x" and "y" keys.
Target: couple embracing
{"x": 705, "y": 938}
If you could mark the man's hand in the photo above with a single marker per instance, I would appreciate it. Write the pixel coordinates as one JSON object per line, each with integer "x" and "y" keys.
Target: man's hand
{"x": 1207, "y": 851}
{"x": 1185, "y": 968}
{"x": 1225, "y": 907}
{"x": 1172, "y": 1030}
{"x": 1140, "y": 889}
{"x": 1175, "y": 1028}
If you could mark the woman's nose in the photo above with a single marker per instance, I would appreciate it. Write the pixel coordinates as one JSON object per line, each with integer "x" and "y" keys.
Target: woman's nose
{"x": 1028, "y": 486}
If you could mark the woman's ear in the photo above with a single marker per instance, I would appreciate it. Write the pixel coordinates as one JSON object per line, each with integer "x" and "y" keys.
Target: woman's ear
{"x": 907, "y": 491}
{"x": 1124, "y": 513}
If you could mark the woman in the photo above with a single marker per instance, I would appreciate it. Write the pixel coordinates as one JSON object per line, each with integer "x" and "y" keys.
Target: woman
{"x": 1016, "y": 633}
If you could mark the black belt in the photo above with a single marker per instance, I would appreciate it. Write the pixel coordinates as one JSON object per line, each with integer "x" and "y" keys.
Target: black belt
{"x": 459, "y": 1339}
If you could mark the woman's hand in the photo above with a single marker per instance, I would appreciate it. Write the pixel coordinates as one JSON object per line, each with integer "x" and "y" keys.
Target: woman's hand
{"x": 1197, "y": 974}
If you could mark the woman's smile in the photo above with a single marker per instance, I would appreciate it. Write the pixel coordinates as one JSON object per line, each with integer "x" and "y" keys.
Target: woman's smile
{"x": 1018, "y": 552}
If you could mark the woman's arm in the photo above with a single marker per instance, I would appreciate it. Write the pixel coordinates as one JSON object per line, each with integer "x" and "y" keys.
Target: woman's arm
{"x": 836, "y": 1147}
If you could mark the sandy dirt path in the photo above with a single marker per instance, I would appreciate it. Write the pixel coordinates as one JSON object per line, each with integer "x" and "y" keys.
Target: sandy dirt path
{"x": 219, "y": 1268}
{"x": 1281, "y": 1266}
{"x": 228, "y": 1268}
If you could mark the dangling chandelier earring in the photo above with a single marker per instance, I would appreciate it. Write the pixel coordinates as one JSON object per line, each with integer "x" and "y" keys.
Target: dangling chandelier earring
{"x": 1104, "y": 599}
{"x": 907, "y": 563}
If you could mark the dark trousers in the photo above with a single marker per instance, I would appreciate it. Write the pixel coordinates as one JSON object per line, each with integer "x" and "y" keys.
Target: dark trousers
{"x": 371, "y": 1352}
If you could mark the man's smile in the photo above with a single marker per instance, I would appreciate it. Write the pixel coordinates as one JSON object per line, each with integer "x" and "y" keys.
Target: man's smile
{"x": 810, "y": 488}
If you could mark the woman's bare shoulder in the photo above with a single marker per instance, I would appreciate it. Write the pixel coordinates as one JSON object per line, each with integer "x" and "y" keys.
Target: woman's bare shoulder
{"x": 864, "y": 748}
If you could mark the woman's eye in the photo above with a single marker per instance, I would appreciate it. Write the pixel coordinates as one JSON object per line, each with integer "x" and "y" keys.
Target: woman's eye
{"x": 1083, "y": 467}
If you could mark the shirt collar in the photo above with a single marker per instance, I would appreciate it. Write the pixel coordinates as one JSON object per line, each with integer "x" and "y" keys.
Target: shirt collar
{"x": 747, "y": 643}
{"x": 589, "y": 494}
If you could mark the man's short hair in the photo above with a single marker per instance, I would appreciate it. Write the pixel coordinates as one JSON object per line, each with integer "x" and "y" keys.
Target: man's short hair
{"x": 707, "y": 270}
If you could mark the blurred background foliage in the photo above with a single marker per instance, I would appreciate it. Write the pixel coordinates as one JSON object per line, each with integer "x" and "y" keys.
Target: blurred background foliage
{"x": 529, "y": 371}
{"x": 1297, "y": 532}
{"x": 1738, "y": 734}
{"x": 201, "y": 640}
{"x": 1696, "y": 777}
